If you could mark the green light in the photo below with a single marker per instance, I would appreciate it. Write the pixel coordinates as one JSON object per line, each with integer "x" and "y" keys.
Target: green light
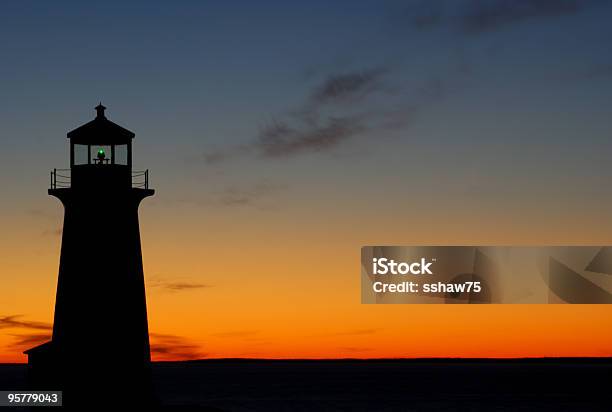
{"x": 101, "y": 152}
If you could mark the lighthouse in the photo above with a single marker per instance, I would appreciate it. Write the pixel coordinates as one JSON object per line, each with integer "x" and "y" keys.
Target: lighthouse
{"x": 100, "y": 342}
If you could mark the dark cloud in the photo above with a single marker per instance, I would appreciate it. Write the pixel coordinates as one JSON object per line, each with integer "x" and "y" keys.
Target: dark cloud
{"x": 349, "y": 86}
{"x": 25, "y": 341}
{"x": 353, "y": 349}
{"x": 480, "y": 16}
{"x": 293, "y": 136}
{"x": 15, "y": 321}
{"x": 176, "y": 286}
{"x": 174, "y": 347}
{"x": 325, "y": 119}
{"x": 22, "y": 341}
{"x": 281, "y": 139}
{"x": 340, "y": 108}
{"x": 485, "y": 16}
{"x": 184, "y": 286}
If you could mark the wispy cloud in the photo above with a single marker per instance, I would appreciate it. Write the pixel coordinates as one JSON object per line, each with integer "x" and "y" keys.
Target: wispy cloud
{"x": 349, "y": 86}
{"x": 163, "y": 345}
{"x": 41, "y": 332}
{"x": 16, "y": 321}
{"x": 174, "y": 285}
{"x": 341, "y": 108}
{"x": 282, "y": 139}
{"x": 173, "y": 347}
{"x": 25, "y": 341}
{"x": 354, "y": 349}
{"x": 332, "y": 113}
{"x": 477, "y": 16}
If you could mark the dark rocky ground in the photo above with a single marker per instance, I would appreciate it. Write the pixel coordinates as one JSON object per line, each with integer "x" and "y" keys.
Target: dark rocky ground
{"x": 376, "y": 385}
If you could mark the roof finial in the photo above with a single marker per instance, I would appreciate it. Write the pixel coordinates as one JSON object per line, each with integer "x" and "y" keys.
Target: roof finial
{"x": 100, "y": 110}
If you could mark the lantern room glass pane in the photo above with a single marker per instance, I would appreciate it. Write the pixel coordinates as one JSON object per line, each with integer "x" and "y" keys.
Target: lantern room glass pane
{"x": 100, "y": 154}
{"x": 121, "y": 154}
{"x": 80, "y": 154}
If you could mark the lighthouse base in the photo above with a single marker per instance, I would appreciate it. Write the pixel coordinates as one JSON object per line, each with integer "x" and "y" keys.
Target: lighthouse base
{"x": 88, "y": 382}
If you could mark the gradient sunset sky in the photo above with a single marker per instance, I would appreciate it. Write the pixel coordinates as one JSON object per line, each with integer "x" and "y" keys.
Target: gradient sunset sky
{"x": 283, "y": 136}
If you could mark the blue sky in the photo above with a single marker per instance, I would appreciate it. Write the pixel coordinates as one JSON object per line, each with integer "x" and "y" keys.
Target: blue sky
{"x": 507, "y": 85}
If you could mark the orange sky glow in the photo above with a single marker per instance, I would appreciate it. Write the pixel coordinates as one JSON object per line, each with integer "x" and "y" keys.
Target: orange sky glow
{"x": 229, "y": 285}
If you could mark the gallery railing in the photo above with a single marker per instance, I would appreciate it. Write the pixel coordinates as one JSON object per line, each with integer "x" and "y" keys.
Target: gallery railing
{"x": 60, "y": 179}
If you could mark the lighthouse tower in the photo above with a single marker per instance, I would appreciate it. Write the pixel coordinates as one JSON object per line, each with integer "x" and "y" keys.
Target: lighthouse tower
{"x": 100, "y": 341}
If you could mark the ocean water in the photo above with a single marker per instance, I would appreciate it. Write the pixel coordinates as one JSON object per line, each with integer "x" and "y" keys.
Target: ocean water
{"x": 379, "y": 385}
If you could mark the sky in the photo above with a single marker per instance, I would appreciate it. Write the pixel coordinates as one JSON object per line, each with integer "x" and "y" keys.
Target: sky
{"x": 283, "y": 136}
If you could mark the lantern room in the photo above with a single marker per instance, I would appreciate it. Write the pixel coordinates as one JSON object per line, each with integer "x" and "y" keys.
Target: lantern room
{"x": 100, "y": 142}
{"x": 100, "y": 158}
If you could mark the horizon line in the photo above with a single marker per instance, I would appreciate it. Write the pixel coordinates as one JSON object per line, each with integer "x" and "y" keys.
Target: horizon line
{"x": 479, "y": 359}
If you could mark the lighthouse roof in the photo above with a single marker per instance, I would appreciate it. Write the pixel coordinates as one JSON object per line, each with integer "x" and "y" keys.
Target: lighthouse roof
{"x": 100, "y": 131}
{"x": 40, "y": 348}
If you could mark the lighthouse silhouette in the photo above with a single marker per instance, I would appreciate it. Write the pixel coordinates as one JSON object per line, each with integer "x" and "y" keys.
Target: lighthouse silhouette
{"x": 100, "y": 344}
